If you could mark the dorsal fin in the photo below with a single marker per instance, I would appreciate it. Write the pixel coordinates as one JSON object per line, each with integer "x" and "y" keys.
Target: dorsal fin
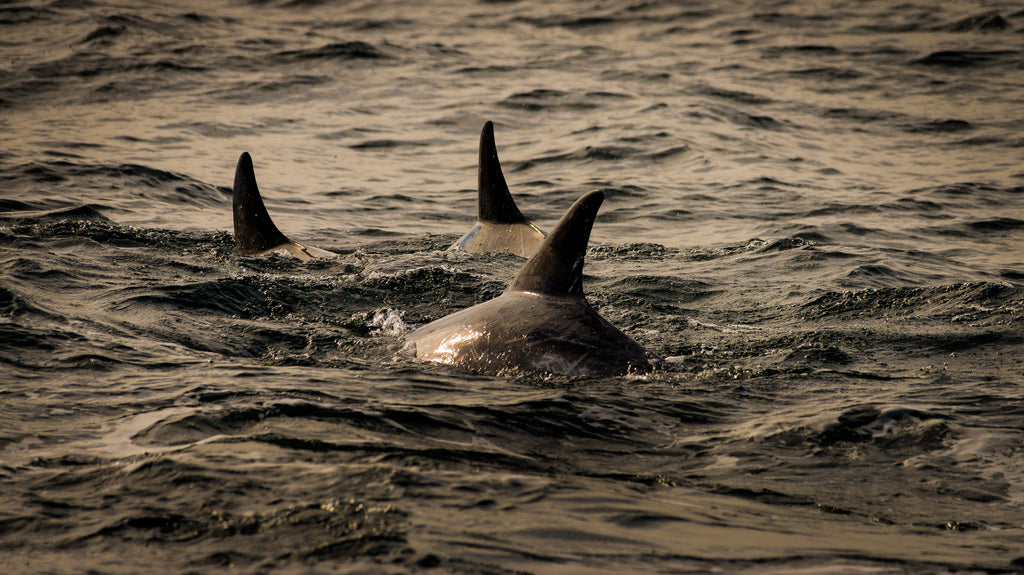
{"x": 494, "y": 202}
{"x": 500, "y": 226}
{"x": 557, "y": 267}
{"x": 255, "y": 232}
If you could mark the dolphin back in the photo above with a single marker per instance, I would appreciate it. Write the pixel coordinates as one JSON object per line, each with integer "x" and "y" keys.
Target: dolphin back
{"x": 542, "y": 322}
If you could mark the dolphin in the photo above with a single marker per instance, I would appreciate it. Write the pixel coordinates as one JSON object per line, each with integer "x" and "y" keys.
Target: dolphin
{"x": 500, "y": 226}
{"x": 255, "y": 232}
{"x": 542, "y": 322}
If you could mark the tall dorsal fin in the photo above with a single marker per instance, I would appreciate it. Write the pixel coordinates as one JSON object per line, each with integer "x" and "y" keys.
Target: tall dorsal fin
{"x": 557, "y": 267}
{"x": 500, "y": 226}
{"x": 494, "y": 203}
{"x": 255, "y": 232}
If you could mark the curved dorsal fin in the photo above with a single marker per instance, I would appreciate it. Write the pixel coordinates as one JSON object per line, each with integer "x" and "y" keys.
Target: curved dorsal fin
{"x": 494, "y": 202}
{"x": 255, "y": 232}
{"x": 557, "y": 267}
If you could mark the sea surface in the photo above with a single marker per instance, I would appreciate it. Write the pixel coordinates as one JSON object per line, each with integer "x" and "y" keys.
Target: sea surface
{"x": 815, "y": 212}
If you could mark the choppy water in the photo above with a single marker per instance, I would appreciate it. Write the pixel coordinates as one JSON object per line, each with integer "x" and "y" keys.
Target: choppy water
{"x": 814, "y": 209}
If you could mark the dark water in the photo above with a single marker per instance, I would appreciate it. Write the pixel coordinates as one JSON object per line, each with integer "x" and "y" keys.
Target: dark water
{"x": 815, "y": 210}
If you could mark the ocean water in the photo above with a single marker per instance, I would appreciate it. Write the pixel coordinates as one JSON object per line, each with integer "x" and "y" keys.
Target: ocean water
{"x": 815, "y": 211}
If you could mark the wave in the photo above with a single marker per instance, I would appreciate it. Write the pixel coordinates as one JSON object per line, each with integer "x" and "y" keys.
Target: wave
{"x": 341, "y": 51}
{"x": 969, "y": 58}
{"x": 955, "y": 302}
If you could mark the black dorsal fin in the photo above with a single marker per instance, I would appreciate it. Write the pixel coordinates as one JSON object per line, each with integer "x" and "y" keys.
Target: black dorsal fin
{"x": 557, "y": 267}
{"x": 255, "y": 232}
{"x": 494, "y": 203}
{"x": 500, "y": 226}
